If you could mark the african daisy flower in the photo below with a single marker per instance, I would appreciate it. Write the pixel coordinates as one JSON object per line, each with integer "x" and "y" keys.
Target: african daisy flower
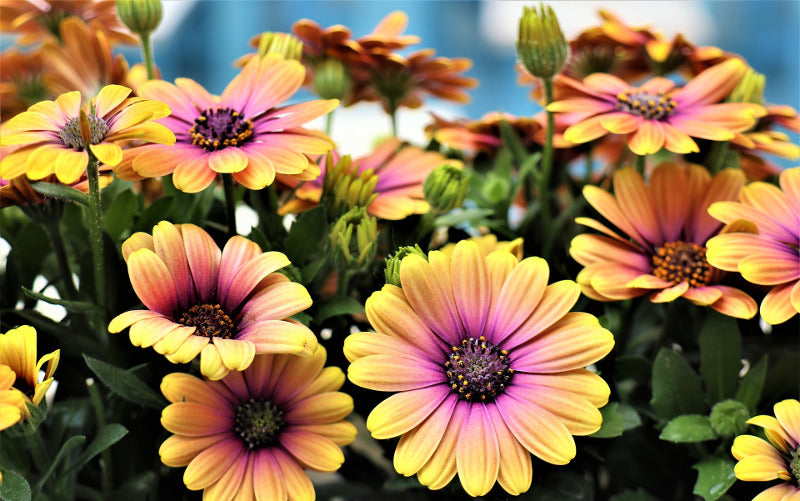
{"x": 488, "y": 243}
{"x": 18, "y": 352}
{"x": 662, "y": 250}
{"x": 12, "y": 401}
{"x": 243, "y": 132}
{"x": 657, "y": 115}
{"x": 51, "y": 140}
{"x": 23, "y": 81}
{"x": 770, "y": 257}
{"x": 778, "y": 459}
{"x": 486, "y": 365}
{"x": 251, "y": 435}
{"x": 401, "y": 170}
{"x": 225, "y": 306}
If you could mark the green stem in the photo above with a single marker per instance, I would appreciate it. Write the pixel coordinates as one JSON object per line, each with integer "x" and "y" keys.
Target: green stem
{"x": 96, "y": 237}
{"x": 329, "y": 123}
{"x": 638, "y": 163}
{"x": 342, "y": 281}
{"x": 147, "y": 55}
{"x": 106, "y": 461}
{"x": 38, "y": 451}
{"x": 230, "y": 202}
{"x": 393, "y": 115}
{"x": 547, "y": 163}
{"x": 716, "y": 157}
{"x": 61, "y": 256}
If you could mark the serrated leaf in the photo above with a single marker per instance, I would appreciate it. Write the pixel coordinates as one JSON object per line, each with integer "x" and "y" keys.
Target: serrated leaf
{"x": 714, "y": 477}
{"x": 14, "y": 487}
{"x": 688, "y": 428}
{"x": 125, "y": 384}
{"x": 720, "y": 355}
{"x": 613, "y": 425}
{"x": 338, "y": 305}
{"x": 61, "y": 191}
{"x": 676, "y": 387}
{"x": 106, "y": 437}
{"x": 752, "y": 384}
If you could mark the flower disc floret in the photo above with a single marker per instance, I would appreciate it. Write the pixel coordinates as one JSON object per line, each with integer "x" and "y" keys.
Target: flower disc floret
{"x": 647, "y": 105}
{"x": 477, "y": 370}
{"x": 71, "y": 136}
{"x": 258, "y": 422}
{"x": 679, "y": 261}
{"x": 220, "y": 128}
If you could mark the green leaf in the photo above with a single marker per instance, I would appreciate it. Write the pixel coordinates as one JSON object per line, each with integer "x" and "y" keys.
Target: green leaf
{"x": 70, "y": 444}
{"x": 676, "y": 387}
{"x": 120, "y": 214}
{"x": 14, "y": 487}
{"x": 752, "y": 384}
{"x": 720, "y": 355}
{"x": 630, "y": 418}
{"x": 70, "y": 305}
{"x": 338, "y": 305}
{"x": 714, "y": 477}
{"x": 613, "y": 425}
{"x": 307, "y": 235}
{"x": 462, "y": 216}
{"x": 512, "y": 142}
{"x": 106, "y": 437}
{"x": 688, "y": 428}
{"x": 158, "y": 211}
{"x": 61, "y": 191}
{"x": 125, "y": 384}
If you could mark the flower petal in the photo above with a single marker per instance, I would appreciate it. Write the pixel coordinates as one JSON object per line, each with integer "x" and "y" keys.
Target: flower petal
{"x": 152, "y": 282}
{"x": 394, "y": 373}
{"x": 477, "y": 453}
{"x": 404, "y": 411}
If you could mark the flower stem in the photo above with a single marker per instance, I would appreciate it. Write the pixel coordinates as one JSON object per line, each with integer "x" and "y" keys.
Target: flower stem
{"x": 38, "y": 451}
{"x": 106, "y": 464}
{"x": 393, "y": 115}
{"x": 61, "y": 256}
{"x": 638, "y": 163}
{"x": 329, "y": 123}
{"x": 547, "y": 163}
{"x": 96, "y": 235}
{"x": 716, "y": 157}
{"x": 147, "y": 55}
{"x": 230, "y": 202}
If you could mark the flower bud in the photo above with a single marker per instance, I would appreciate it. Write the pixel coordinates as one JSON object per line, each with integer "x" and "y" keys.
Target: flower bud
{"x": 280, "y": 43}
{"x": 331, "y": 79}
{"x": 140, "y": 16}
{"x": 345, "y": 188}
{"x": 729, "y": 418}
{"x": 357, "y": 251}
{"x": 446, "y": 187}
{"x": 392, "y": 270}
{"x": 750, "y": 88}
{"x": 85, "y": 128}
{"x": 541, "y": 46}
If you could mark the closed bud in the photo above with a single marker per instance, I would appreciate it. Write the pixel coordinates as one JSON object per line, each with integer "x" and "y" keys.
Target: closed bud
{"x": 750, "y": 88}
{"x": 541, "y": 46}
{"x": 284, "y": 44}
{"x": 345, "y": 188}
{"x": 445, "y": 188}
{"x": 331, "y": 79}
{"x": 140, "y": 16}
{"x": 353, "y": 239}
{"x": 85, "y": 128}
{"x": 729, "y": 418}
{"x": 392, "y": 270}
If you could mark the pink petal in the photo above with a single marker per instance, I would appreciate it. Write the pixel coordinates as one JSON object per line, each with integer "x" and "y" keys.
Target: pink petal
{"x": 152, "y": 282}
{"x": 203, "y": 257}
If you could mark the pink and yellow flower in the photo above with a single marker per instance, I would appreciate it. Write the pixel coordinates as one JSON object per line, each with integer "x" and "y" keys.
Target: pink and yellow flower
{"x": 662, "y": 248}
{"x": 18, "y": 352}
{"x": 657, "y": 115}
{"x": 244, "y": 132}
{"x": 51, "y": 140}
{"x": 771, "y": 257}
{"x": 486, "y": 365}
{"x": 401, "y": 170}
{"x": 250, "y": 435}
{"x": 225, "y": 306}
{"x": 778, "y": 459}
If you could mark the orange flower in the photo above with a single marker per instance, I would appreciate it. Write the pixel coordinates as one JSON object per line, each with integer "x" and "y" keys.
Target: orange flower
{"x": 483, "y": 135}
{"x": 18, "y": 191}
{"x": 35, "y": 20}
{"x": 770, "y": 257}
{"x": 23, "y": 81}
{"x": 12, "y": 401}
{"x": 662, "y": 249}
{"x": 657, "y": 114}
{"x": 763, "y": 139}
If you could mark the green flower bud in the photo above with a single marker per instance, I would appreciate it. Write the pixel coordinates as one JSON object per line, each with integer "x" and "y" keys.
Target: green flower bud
{"x": 541, "y": 46}
{"x": 750, "y": 88}
{"x": 446, "y": 187}
{"x": 392, "y": 270}
{"x": 280, "y": 43}
{"x": 344, "y": 187}
{"x": 331, "y": 79}
{"x": 729, "y": 418}
{"x": 140, "y": 16}
{"x": 359, "y": 251}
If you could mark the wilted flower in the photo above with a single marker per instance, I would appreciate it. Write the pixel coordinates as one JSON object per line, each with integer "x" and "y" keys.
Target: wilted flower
{"x": 486, "y": 365}
{"x": 225, "y": 306}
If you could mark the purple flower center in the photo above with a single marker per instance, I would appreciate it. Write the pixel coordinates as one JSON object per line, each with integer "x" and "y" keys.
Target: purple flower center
{"x": 677, "y": 262}
{"x": 477, "y": 370}
{"x": 652, "y": 106}
{"x": 219, "y": 128}
{"x": 70, "y": 133}
{"x": 210, "y": 321}
{"x": 258, "y": 422}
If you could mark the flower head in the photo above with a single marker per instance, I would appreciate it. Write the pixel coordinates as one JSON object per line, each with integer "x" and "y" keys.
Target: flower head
{"x": 244, "y": 132}
{"x": 250, "y": 435}
{"x": 401, "y": 171}
{"x": 12, "y": 401}
{"x": 764, "y": 139}
{"x": 486, "y": 365}
{"x": 23, "y": 82}
{"x": 51, "y": 139}
{"x": 778, "y": 459}
{"x": 662, "y": 248}
{"x": 18, "y": 352}
{"x": 770, "y": 257}
{"x": 225, "y": 306}
{"x": 657, "y": 115}
{"x": 488, "y": 243}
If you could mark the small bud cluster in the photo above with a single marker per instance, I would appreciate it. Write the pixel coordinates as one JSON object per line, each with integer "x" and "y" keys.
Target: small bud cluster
{"x": 280, "y": 43}
{"x": 345, "y": 188}
{"x": 446, "y": 187}
{"x": 393, "y": 262}
{"x": 349, "y": 251}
